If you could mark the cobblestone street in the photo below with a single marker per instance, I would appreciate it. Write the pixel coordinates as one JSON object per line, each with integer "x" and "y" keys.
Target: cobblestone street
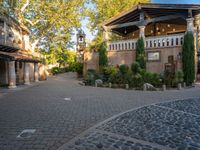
{"x": 60, "y": 109}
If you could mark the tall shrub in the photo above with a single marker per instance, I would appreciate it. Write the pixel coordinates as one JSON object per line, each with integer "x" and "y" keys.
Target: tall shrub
{"x": 103, "y": 60}
{"x": 188, "y": 58}
{"x": 140, "y": 53}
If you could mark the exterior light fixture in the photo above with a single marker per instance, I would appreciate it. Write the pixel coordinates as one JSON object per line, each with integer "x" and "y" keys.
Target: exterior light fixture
{"x": 125, "y": 31}
{"x": 163, "y": 30}
{"x": 174, "y": 29}
{"x": 168, "y": 25}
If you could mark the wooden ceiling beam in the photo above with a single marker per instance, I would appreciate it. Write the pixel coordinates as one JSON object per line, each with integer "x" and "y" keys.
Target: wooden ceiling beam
{"x": 145, "y": 22}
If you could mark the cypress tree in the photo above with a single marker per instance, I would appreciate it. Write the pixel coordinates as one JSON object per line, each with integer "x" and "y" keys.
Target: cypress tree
{"x": 188, "y": 58}
{"x": 140, "y": 53}
{"x": 103, "y": 60}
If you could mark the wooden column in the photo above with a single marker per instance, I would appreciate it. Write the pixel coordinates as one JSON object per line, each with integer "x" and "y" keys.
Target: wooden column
{"x": 142, "y": 31}
{"x": 105, "y": 34}
{"x": 190, "y": 24}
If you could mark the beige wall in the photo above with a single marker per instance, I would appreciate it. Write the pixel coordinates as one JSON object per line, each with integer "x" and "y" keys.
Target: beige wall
{"x": 121, "y": 57}
{"x": 159, "y": 66}
{"x": 91, "y": 61}
{"x": 128, "y": 57}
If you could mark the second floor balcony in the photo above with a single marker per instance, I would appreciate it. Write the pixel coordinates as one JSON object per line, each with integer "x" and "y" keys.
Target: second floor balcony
{"x": 149, "y": 42}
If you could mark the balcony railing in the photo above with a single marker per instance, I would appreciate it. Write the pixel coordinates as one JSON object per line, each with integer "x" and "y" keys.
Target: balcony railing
{"x": 8, "y": 44}
{"x": 150, "y": 42}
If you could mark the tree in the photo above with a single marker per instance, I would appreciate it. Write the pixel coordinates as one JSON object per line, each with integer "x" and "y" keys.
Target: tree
{"x": 140, "y": 53}
{"x": 188, "y": 58}
{"x": 103, "y": 60}
{"x": 51, "y": 22}
{"x": 105, "y": 9}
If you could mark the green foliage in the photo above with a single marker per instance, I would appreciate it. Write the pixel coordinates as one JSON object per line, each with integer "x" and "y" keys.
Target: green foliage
{"x": 140, "y": 53}
{"x": 137, "y": 81}
{"x": 79, "y": 68}
{"x": 152, "y": 78}
{"x": 105, "y": 9}
{"x": 169, "y": 79}
{"x": 188, "y": 58}
{"x": 109, "y": 71}
{"x": 135, "y": 68}
{"x": 90, "y": 78}
{"x": 123, "y": 69}
{"x": 103, "y": 60}
{"x": 57, "y": 70}
{"x": 49, "y": 32}
{"x": 179, "y": 76}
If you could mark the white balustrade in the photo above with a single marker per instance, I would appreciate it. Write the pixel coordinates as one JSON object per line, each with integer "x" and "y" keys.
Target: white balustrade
{"x": 150, "y": 42}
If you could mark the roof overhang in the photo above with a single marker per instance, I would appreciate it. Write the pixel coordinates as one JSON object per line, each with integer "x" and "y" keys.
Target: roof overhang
{"x": 151, "y": 13}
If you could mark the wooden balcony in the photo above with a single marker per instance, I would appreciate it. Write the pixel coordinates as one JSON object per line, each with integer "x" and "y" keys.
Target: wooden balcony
{"x": 150, "y": 42}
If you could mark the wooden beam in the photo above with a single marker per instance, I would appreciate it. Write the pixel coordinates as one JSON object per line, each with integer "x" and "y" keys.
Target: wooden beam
{"x": 145, "y": 22}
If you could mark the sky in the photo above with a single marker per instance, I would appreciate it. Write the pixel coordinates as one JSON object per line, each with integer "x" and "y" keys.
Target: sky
{"x": 90, "y": 36}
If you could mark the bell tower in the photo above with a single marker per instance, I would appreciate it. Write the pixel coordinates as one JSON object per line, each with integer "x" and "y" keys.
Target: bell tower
{"x": 80, "y": 44}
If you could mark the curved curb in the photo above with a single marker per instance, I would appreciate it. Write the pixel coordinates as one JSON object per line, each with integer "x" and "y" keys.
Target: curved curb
{"x": 64, "y": 146}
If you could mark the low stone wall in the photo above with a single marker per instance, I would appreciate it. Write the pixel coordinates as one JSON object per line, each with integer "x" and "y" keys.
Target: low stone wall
{"x": 128, "y": 57}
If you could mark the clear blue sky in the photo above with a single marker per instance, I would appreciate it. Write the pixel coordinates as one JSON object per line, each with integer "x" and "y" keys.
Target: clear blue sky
{"x": 90, "y": 36}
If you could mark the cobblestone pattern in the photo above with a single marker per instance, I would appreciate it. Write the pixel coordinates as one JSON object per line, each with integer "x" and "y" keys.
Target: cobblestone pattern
{"x": 98, "y": 140}
{"x": 169, "y": 128}
{"x": 42, "y": 107}
{"x": 189, "y": 106}
{"x": 158, "y": 125}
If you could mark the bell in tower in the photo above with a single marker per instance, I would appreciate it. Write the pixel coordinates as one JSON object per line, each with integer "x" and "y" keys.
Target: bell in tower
{"x": 80, "y": 45}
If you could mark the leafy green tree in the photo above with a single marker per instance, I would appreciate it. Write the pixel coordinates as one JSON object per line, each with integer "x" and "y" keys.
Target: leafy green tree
{"x": 140, "y": 53}
{"x": 188, "y": 58}
{"x": 103, "y": 60}
{"x": 105, "y": 9}
{"x": 51, "y": 22}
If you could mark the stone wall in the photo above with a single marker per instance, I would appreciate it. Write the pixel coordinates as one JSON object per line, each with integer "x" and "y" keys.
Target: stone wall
{"x": 159, "y": 66}
{"x": 128, "y": 57}
{"x": 91, "y": 61}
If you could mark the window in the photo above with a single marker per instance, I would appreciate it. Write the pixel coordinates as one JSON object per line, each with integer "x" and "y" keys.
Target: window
{"x": 153, "y": 56}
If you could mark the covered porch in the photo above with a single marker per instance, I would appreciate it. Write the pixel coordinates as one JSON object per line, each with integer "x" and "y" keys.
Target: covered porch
{"x": 162, "y": 27}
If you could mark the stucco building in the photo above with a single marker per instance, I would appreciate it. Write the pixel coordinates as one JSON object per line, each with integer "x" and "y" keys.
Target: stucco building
{"x": 161, "y": 25}
{"x": 19, "y": 64}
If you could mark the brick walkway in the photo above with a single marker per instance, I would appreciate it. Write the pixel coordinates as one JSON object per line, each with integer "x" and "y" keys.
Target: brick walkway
{"x": 57, "y": 120}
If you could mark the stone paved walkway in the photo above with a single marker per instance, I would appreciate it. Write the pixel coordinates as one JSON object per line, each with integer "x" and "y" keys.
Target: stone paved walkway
{"x": 60, "y": 109}
{"x": 164, "y": 126}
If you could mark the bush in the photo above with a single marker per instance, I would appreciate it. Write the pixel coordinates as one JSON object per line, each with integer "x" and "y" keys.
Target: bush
{"x": 123, "y": 69}
{"x": 152, "y": 78}
{"x": 109, "y": 71}
{"x": 135, "y": 68}
{"x": 169, "y": 79}
{"x": 90, "y": 79}
{"x": 179, "y": 76}
{"x": 78, "y": 68}
{"x": 56, "y": 70}
{"x": 137, "y": 81}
